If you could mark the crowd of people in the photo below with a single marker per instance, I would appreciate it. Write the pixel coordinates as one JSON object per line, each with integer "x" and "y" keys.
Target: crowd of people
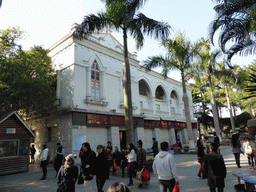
{"x": 133, "y": 159}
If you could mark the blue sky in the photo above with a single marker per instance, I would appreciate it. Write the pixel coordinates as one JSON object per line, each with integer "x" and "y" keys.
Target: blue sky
{"x": 47, "y": 21}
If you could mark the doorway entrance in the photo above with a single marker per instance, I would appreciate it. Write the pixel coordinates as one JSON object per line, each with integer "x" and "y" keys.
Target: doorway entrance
{"x": 122, "y": 136}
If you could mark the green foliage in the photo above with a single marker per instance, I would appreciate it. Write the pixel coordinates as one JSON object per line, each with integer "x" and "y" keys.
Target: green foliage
{"x": 27, "y": 80}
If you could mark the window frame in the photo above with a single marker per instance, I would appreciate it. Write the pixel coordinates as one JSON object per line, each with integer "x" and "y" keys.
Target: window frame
{"x": 95, "y": 81}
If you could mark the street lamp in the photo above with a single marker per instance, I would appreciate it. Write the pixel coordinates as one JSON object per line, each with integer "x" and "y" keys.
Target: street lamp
{"x": 197, "y": 116}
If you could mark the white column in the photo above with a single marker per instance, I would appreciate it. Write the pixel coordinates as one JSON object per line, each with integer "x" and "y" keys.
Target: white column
{"x": 156, "y": 134}
{"x": 140, "y": 135}
{"x": 186, "y": 136}
{"x": 121, "y": 92}
{"x": 102, "y": 93}
{"x": 114, "y": 137}
{"x": 88, "y": 82}
{"x": 196, "y": 133}
{"x": 172, "y": 138}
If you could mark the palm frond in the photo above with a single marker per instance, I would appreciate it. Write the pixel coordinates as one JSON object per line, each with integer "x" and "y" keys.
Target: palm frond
{"x": 165, "y": 63}
{"x": 93, "y": 24}
{"x": 151, "y": 27}
{"x": 243, "y": 48}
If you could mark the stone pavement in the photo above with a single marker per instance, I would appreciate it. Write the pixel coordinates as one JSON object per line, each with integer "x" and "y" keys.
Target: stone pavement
{"x": 187, "y": 168}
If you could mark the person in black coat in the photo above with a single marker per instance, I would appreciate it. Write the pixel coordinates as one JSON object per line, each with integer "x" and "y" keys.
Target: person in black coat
{"x": 116, "y": 156}
{"x": 67, "y": 175}
{"x": 58, "y": 161}
{"x": 200, "y": 155}
{"x": 101, "y": 168}
{"x": 155, "y": 147}
{"x": 88, "y": 158}
{"x": 124, "y": 161}
{"x": 215, "y": 169}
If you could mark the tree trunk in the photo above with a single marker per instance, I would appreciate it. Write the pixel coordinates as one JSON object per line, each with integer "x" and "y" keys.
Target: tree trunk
{"x": 251, "y": 111}
{"x": 214, "y": 109}
{"x": 187, "y": 109}
{"x": 215, "y": 114}
{"x": 188, "y": 119}
{"x": 127, "y": 93}
{"x": 230, "y": 110}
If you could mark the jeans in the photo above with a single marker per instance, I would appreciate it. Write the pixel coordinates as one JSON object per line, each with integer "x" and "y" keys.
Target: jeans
{"x": 100, "y": 181}
{"x": 237, "y": 157}
{"x": 213, "y": 189}
{"x": 251, "y": 160}
{"x": 166, "y": 184}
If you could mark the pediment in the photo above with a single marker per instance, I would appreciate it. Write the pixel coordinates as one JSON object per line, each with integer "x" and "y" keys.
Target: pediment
{"x": 107, "y": 40}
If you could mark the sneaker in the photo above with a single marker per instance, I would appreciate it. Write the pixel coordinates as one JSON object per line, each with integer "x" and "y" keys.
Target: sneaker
{"x": 43, "y": 178}
{"x": 130, "y": 184}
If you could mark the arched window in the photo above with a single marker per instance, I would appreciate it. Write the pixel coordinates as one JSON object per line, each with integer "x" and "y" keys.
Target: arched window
{"x": 159, "y": 93}
{"x": 95, "y": 81}
{"x": 174, "y": 102}
{"x": 143, "y": 88}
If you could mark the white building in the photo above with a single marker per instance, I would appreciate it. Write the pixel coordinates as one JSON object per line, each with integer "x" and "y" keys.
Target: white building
{"x": 90, "y": 95}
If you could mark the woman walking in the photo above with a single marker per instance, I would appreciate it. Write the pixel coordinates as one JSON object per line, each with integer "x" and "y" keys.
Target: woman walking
{"x": 132, "y": 157}
{"x": 101, "y": 168}
{"x": 248, "y": 151}
{"x": 67, "y": 175}
{"x": 200, "y": 156}
{"x": 236, "y": 148}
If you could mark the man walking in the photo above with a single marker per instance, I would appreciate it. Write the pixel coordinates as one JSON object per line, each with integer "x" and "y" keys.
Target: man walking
{"x": 155, "y": 146}
{"x": 215, "y": 169}
{"x": 164, "y": 167}
{"x": 44, "y": 161}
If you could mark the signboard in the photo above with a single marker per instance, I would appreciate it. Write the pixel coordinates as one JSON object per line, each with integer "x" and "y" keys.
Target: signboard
{"x": 11, "y": 131}
{"x": 148, "y": 123}
{"x": 108, "y": 120}
{"x": 78, "y": 140}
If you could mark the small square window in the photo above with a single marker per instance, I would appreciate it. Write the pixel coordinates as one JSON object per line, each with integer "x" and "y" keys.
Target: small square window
{"x": 141, "y": 104}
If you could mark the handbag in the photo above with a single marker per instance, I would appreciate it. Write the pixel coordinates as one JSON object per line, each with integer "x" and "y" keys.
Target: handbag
{"x": 176, "y": 187}
{"x": 115, "y": 166}
{"x": 248, "y": 150}
{"x": 146, "y": 175}
{"x": 80, "y": 178}
{"x": 62, "y": 188}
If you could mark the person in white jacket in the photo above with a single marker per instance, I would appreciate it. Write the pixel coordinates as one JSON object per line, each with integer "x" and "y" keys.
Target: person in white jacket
{"x": 132, "y": 157}
{"x": 248, "y": 152}
{"x": 44, "y": 161}
{"x": 165, "y": 169}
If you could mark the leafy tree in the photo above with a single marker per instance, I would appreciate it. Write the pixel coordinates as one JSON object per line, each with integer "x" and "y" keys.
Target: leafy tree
{"x": 179, "y": 56}
{"x": 207, "y": 61}
{"x": 122, "y": 15}
{"x": 27, "y": 80}
{"x": 236, "y": 21}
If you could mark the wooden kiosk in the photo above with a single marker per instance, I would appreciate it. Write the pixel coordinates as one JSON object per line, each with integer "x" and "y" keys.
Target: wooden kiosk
{"x": 15, "y": 138}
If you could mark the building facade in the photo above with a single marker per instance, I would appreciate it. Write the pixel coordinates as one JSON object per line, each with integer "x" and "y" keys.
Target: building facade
{"x": 91, "y": 102}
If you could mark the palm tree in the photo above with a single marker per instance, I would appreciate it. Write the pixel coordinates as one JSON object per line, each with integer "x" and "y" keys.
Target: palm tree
{"x": 207, "y": 62}
{"x": 236, "y": 20}
{"x": 179, "y": 56}
{"x": 227, "y": 77}
{"x": 121, "y": 15}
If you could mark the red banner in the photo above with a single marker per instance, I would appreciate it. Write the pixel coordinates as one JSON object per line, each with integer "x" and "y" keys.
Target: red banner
{"x": 108, "y": 120}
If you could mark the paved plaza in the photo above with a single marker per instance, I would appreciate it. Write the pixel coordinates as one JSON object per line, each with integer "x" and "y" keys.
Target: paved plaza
{"x": 187, "y": 168}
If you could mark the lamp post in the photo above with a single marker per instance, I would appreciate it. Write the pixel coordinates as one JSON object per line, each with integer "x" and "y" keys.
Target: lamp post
{"x": 197, "y": 116}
